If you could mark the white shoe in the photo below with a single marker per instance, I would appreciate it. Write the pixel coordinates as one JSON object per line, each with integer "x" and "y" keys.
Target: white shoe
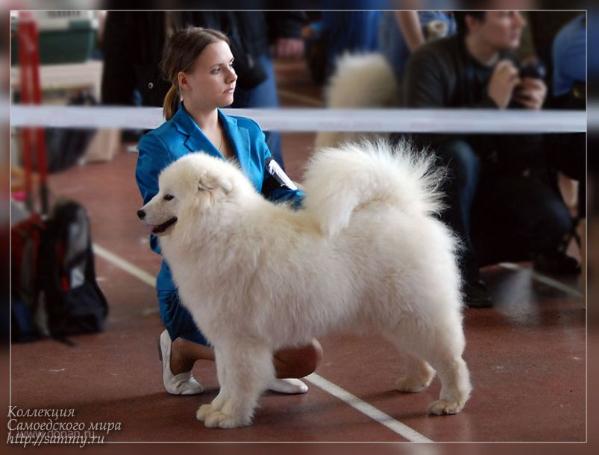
{"x": 182, "y": 383}
{"x": 288, "y": 386}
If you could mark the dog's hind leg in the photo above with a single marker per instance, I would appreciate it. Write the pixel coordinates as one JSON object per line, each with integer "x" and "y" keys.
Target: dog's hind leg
{"x": 455, "y": 385}
{"x": 246, "y": 372}
{"x": 441, "y": 347}
{"x": 416, "y": 374}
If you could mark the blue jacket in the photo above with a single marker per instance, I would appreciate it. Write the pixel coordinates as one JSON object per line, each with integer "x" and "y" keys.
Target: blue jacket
{"x": 181, "y": 135}
{"x": 569, "y": 56}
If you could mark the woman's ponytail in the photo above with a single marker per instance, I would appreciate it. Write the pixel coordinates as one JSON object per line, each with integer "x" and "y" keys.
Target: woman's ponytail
{"x": 170, "y": 103}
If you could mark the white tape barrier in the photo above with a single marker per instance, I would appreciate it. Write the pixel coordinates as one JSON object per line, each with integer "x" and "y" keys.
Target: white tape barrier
{"x": 308, "y": 120}
{"x": 593, "y": 116}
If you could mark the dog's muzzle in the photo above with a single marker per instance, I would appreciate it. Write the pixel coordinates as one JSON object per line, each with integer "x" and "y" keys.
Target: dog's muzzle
{"x": 164, "y": 226}
{"x": 141, "y": 214}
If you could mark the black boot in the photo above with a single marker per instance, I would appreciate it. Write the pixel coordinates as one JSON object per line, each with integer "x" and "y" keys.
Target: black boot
{"x": 476, "y": 294}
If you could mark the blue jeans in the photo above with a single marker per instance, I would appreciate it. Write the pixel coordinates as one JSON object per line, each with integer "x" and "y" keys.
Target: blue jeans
{"x": 392, "y": 44}
{"x": 460, "y": 187}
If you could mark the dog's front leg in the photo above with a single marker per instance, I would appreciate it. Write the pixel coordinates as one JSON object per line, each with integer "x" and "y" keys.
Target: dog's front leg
{"x": 245, "y": 370}
{"x": 220, "y": 399}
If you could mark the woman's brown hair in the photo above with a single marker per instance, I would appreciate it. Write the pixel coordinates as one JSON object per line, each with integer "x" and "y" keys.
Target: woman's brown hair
{"x": 180, "y": 53}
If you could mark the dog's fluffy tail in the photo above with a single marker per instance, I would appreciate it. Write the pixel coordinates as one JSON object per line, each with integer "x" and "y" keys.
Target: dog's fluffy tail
{"x": 338, "y": 180}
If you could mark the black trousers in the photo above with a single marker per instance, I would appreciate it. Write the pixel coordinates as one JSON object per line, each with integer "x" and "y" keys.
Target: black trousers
{"x": 498, "y": 216}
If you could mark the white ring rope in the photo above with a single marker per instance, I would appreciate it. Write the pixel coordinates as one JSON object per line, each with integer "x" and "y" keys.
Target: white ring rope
{"x": 309, "y": 120}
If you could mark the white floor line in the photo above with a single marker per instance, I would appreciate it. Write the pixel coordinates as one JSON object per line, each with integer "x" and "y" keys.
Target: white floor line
{"x": 342, "y": 394}
{"x": 125, "y": 265}
{"x": 544, "y": 279}
{"x": 367, "y": 409}
{"x": 304, "y": 99}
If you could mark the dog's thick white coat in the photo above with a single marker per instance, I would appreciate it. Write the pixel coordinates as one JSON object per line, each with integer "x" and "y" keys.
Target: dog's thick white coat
{"x": 364, "y": 254}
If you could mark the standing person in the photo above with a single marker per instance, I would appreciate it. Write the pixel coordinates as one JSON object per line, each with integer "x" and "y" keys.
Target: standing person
{"x": 402, "y": 32}
{"x": 199, "y": 64}
{"x": 340, "y": 32}
{"x": 499, "y": 201}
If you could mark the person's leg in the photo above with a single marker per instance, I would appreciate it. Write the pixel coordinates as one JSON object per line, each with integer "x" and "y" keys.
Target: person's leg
{"x": 185, "y": 353}
{"x": 263, "y": 95}
{"x": 189, "y": 345}
{"x": 518, "y": 218}
{"x": 392, "y": 44}
{"x": 288, "y": 363}
{"x": 460, "y": 188}
{"x": 567, "y": 153}
{"x": 297, "y": 362}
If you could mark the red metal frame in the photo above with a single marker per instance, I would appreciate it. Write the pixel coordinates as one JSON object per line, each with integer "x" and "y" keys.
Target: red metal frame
{"x": 31, "y": 93}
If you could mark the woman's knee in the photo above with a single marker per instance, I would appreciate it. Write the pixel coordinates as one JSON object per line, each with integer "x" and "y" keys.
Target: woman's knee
{"x": 297, "y": 362}
{"x": 553, "y": 225}
{"x": 559, "y": 220}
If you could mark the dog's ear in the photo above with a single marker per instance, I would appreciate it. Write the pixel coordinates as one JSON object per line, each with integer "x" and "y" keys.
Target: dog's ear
{"x": 211, "y": 182}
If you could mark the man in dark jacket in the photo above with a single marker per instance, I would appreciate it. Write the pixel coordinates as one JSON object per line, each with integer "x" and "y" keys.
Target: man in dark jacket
{"x": 134, "y": 40}
{"x": 499, "y": 200}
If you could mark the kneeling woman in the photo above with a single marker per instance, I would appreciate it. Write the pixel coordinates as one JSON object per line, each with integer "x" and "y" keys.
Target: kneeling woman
{"x": 199, "y": 63}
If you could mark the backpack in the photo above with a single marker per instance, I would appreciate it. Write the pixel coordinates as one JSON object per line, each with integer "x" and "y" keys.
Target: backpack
{"x": 54, "y": 289}
{"x": 25, "y": 244}
{"x": 74, "y": 302}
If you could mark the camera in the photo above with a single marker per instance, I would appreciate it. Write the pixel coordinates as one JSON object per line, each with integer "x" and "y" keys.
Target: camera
{"x": 534, "y": 69}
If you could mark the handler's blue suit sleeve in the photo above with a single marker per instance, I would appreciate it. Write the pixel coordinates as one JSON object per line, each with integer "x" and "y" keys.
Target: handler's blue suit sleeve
{"x": 153, "y": 158}
{"x": 271, "y": 189}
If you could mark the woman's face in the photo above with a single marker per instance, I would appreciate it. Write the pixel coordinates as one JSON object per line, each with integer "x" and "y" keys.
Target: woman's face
{"x": 211, "y": 81}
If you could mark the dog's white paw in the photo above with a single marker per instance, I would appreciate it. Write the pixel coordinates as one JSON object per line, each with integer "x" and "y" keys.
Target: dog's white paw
{"x": 219, "y": 419}
{"x": 413, "y": 384}
{"x": 445, "y": 407}
{"x": 203, "y": 411}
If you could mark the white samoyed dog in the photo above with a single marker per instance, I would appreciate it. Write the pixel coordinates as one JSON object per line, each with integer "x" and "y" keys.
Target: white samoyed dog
{"x": 365, "y": 253}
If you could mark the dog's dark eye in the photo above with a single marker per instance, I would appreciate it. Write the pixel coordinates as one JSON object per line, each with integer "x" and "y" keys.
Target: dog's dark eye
{"x": 168, "y": 197}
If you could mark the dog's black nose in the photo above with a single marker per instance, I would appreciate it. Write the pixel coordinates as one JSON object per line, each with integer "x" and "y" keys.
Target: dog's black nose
{"x": 141, "y": 214}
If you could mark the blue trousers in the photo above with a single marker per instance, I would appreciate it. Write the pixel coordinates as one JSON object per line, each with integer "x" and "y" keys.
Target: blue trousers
{"x": 176, "y": 319}
{"x": 392, "y": 43}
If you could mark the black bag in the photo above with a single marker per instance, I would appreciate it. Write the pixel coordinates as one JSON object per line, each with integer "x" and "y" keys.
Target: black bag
{"x": 25, "y": 284}
{"x": 74, "y": 302}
